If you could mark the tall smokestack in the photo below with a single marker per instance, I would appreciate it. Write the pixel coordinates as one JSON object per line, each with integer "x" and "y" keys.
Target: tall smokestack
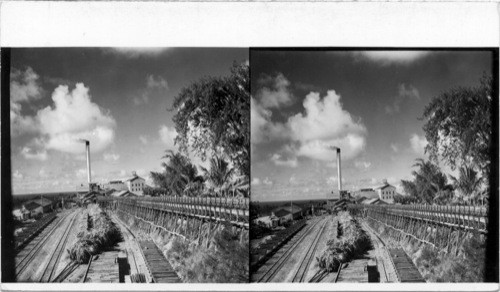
{"x": 87, "y": 148}
{"x": 338, "y": 170}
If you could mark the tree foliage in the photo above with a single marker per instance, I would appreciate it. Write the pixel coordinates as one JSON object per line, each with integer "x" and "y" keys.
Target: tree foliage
{"x": 458, "y": 126}
{"x": 468, "y": 185}
{"x": 429, "y": 184}
{"x": 212, "y": 115}
{"x": 177, "y": 174}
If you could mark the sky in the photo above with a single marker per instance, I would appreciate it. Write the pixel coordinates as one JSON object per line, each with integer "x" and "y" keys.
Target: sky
{"x": 367, "y": 103}
{"x": 115, "y": 97}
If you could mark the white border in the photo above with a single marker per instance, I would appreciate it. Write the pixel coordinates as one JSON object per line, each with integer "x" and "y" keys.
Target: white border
{"x": 238, "y": 24}
{"x": 223, "y": 24}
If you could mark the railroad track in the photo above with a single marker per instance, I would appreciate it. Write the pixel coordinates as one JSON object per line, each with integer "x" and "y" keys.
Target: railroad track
{"x": 402, "y": 265}
{"x": 56, "y": 254}
{"x": 271, "y": 272}
{"x": 130, "y": 253}
{"x": 308, "y": 257}
{"x": 28, "y": 258}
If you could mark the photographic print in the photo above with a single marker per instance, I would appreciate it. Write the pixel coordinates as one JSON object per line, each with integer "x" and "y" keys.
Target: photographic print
{"x": 371, "y": 166}
{"x": 130, "y": 165}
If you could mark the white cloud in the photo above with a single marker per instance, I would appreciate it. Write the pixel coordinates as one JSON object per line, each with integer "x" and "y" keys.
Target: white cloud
{"x": 24, "y": 87}
{"x": 276, "y": 91}
{"x": 144, "y": 140}
{"x": 73, "y": 117}
{"x": 255, "y": 181}
{"x": 167, "y": 136}
{"x": 324, "y": 118}
{"x": 137, "y": 52}
{"x": 418, "y": 143}
{"x": 267, "y": 181}
{"x": 30, "y": 153}
{"x": 391, "y": 57}
{"x": 394, "y": 147}
{"x": 111, "y": 157}
{"x": 153, "y": 84}
{"x": 17, "y": 175}
{"x": 277, "y": 159}
{"x": 261, "y": 128}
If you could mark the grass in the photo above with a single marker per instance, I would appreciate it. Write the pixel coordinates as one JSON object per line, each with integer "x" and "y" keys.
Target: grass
{"x": 97, "y": 233}
{"x": 463, "y": 265}
{"x": 352, "y": 242}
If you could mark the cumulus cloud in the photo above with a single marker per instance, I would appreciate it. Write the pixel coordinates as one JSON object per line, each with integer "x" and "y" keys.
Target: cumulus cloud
{"x": 255, "y": 181}
{"x": 275, "y": 91}
{"x": 324, "y": 124}
{"x": 418, "y": 143}
{"x": 24, "y": 87}
{"x": 391, "y": 57}
{"x": 167, "y": 136}
{"x": 405, "y": 92}
{"x": 74, "y": 116}
{"x": 111, "y": 157}
{"x": 153, "y": 85}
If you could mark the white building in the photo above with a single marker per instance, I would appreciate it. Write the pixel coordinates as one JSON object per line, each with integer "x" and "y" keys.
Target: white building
{"x": 134, "y": 184}
{"x": 386, "y": 192}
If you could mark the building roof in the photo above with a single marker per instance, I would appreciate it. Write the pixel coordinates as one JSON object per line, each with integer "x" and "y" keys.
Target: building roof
{"x": 281, "y": 213}
{"x": 385, "y": 186}
{"x": 116, "y": 182}
{"x": 374, "y": 201}
{"x": 366, "y": 190}
{"x": 125, "y": 193}
{"x": 31, "y": 205}
{"x": 134, "y": 178}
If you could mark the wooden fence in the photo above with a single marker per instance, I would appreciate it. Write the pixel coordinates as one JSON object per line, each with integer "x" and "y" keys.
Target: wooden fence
{"x": 183, "y": 217}
{"x": 439, "y": 226}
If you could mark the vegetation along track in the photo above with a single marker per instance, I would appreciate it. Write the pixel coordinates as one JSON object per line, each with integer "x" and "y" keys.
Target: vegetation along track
{"x": 56, "y": 254}
{"x": 271, "y": 272}
{"x": 301, "y": 273}
{"x": 28, "y": 258}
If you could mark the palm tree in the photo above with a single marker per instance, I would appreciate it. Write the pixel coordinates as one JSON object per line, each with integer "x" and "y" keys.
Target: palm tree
{"x": 178, "y": 173}
{"x": 219, "y": 177}
{"x": 468, "y": 184}
{"x": 429, "y": 181}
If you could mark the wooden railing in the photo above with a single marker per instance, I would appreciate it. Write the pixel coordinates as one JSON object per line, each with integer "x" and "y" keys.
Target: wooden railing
{"x": 233, "y": 210}
{"x": 464, "y": 217}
